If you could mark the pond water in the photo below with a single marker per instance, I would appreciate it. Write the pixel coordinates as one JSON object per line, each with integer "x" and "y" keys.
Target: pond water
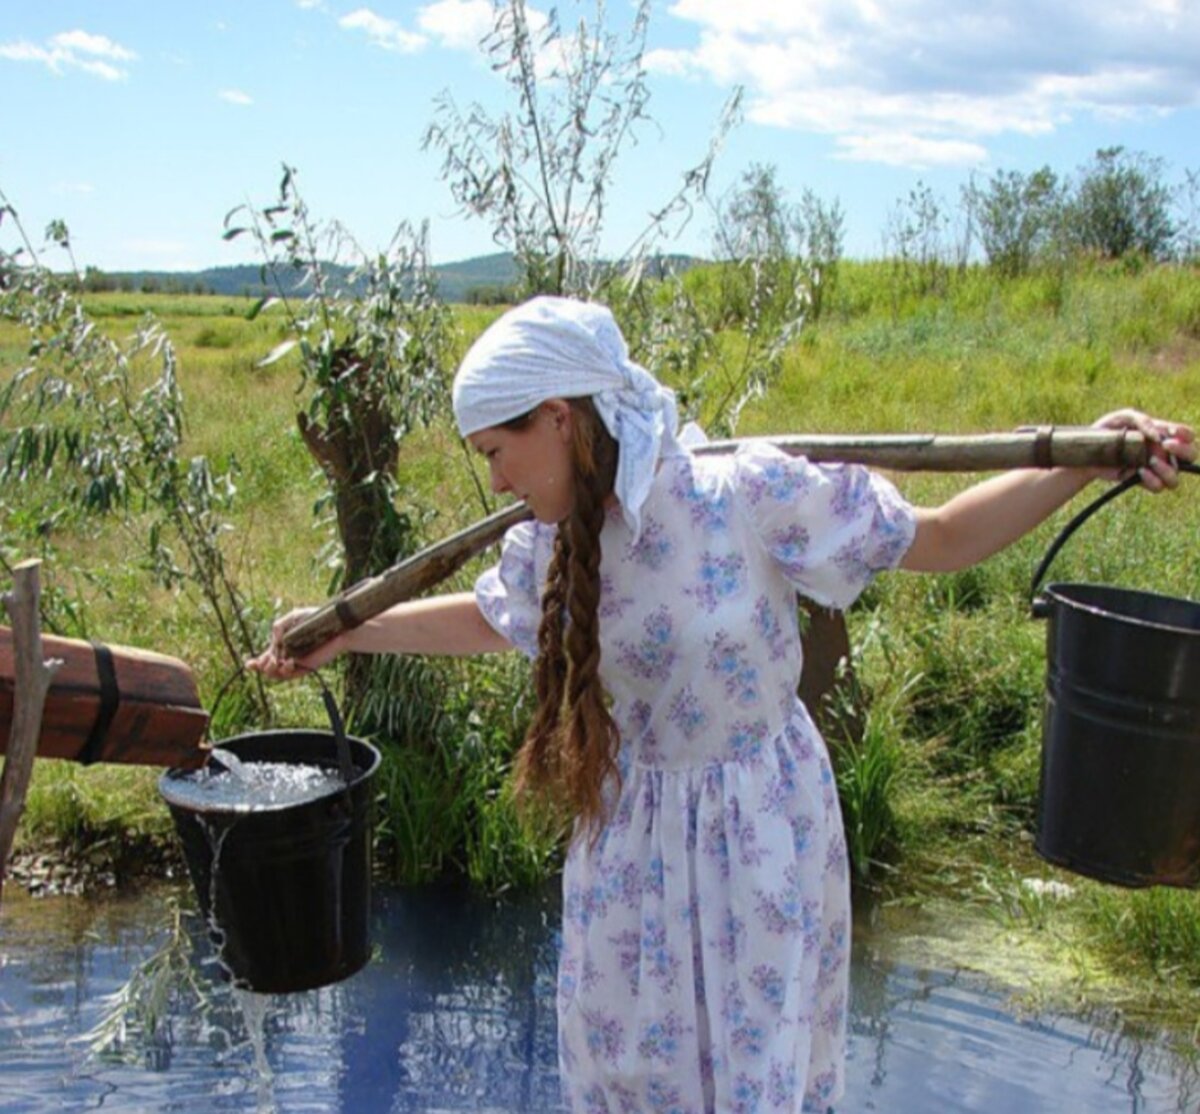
{"x": 456, "y": 1012}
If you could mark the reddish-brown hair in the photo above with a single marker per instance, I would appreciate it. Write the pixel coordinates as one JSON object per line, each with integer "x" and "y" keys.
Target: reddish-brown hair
{"x": 570, "y": 750}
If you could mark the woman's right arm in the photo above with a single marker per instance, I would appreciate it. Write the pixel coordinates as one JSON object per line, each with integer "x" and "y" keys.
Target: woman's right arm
{"x": 438, "y": 625}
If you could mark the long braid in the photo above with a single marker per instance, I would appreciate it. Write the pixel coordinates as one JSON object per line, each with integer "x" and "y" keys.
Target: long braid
{"x": 539, "y": 762}
{"x": 570, "y": 751}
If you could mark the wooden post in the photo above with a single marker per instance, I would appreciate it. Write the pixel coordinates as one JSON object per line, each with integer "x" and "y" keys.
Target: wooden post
{"x": 32, "y": 678}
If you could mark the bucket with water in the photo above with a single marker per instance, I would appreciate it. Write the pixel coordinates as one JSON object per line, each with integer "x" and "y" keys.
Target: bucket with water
{"x": 1119, "y": 797}
{"x": 285, "y": 887}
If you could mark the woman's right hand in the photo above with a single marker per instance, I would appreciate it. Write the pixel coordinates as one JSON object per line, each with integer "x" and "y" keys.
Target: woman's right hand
{"x": 277, "y": 664}
{"x": 1169, "y": 442}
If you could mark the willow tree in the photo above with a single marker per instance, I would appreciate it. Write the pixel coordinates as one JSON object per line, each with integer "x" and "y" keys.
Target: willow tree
{"x": 373, "y": 341}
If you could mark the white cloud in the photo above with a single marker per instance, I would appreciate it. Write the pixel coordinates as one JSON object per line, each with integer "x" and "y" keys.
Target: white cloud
{"x": 672, "y": 63}
{"x": 928, "y": 82}
{"x": 452, "y": 24}
{"x": 97, "y": 55}
{"x": 235, "y": 96}
{"x": 385, "y": 33}
{"x": 901, "y": 149}
{"x": 458, "y": 24}
{"x": 103, "y": 69}
{"x": 84, "y": 43}
{"x": 23, "y": 52}
{"x": 82, "y": 188}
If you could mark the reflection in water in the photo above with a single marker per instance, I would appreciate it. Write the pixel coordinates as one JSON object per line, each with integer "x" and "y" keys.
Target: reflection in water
{"x": 926, "y": 1040}
{"x": 456, "y": 1012}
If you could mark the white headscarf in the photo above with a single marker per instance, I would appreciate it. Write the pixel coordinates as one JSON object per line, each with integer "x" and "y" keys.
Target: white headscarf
{"x": 559, "y": 348}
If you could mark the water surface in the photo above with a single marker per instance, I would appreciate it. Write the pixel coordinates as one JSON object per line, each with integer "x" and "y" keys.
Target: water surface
{"x": 230, "y": 784}
{"x": 456, "y": 1013}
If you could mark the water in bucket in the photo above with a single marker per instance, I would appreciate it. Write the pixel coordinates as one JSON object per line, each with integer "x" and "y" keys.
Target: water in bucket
{"x": 230, "y": 784}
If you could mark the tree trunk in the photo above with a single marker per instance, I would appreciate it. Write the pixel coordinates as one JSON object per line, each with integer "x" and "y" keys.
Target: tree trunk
{"x": 354, "y": 453}
{"x": 826, "y": 644}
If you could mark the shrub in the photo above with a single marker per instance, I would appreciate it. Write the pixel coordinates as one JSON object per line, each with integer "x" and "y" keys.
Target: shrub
{"x": 1016, "y": 215}
{"x": 1121, "y": 206}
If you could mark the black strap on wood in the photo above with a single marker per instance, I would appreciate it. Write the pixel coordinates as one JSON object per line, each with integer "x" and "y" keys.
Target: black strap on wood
{"x": 1043, "y": 437}
{"x": 346, "y": 616}
{"x": 110, "y": 697}
{"x": 1042, "y": 455}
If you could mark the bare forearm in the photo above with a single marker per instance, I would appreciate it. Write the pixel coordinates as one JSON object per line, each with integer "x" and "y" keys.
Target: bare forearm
{"x": 989, "y": 516}
{"x": 440, "y": 625}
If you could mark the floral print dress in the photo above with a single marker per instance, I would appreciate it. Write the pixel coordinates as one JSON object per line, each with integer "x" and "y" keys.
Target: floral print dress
{"x": 706, "y": 932}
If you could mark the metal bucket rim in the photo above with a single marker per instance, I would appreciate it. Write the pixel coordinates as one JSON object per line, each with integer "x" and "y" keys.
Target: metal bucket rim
{"x": 361, "y": 774}
{"x": 1051, "y": 591}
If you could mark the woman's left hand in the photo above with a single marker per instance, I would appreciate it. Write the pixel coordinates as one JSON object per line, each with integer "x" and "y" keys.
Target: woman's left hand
{"x": 1169, "y": 442}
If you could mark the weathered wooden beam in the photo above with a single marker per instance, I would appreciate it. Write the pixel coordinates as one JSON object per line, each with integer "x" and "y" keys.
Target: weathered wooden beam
{"x": 403, "y": 581}
{"x": 1045, "y": 447}
{"x": 32, "y": 681}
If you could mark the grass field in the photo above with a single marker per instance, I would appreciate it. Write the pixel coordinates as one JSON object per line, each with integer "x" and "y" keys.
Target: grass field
{"x": 945, "y": 777}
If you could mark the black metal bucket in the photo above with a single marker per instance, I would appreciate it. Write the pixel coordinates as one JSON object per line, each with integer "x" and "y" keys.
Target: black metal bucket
{"x": 1119, "y": 798}
{"x": 285, "y": 889}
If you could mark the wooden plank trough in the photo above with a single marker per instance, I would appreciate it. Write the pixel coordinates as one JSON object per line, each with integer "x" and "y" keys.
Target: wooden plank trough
{"x": 111, "y": 704}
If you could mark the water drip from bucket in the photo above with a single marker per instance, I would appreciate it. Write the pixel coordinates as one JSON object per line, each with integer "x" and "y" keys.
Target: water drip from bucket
{"x": 254, "y": 1014}
{"x": 226, "y": 758}
{"x": 253, "y": 1006}
{"x": 215, "y": 832}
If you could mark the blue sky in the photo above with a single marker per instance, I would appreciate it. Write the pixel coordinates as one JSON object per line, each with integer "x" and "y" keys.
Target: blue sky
{"x": 140, "y": 124}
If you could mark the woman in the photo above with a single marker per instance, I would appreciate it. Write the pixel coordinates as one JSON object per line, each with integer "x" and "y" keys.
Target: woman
{"x": 706, "y": 896}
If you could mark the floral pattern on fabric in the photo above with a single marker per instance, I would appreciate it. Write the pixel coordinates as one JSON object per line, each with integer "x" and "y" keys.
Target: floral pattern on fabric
{"x": 706, "y": 931}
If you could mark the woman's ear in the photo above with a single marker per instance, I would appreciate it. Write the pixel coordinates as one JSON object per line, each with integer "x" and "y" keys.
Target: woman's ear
{"x": 557, "y": 411}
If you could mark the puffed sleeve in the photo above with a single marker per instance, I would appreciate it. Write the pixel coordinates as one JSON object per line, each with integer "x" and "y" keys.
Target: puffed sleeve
{"x": 509, "y": 594}
{"x": 829, "y": 527}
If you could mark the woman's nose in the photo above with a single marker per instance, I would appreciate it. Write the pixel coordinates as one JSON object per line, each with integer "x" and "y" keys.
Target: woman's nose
{"x": 499, "y": 483}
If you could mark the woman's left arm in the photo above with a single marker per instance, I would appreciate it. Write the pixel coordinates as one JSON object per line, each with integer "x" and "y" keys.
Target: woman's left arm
{"x": 989, "y": 516}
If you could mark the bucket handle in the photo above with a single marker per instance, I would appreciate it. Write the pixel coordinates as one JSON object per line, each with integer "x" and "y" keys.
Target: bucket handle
{"x": 345, "y": 762}
{"x": 1039, "y": 606}
{"x": 337, "y": 725}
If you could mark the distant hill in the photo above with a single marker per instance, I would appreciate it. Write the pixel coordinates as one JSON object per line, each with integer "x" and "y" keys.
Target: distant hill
{"x": 457, "y": 281}
{"x": 484, "y": 278}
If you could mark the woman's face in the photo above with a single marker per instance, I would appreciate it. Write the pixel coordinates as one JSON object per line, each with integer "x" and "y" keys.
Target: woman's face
{"x": 533, "y": 461}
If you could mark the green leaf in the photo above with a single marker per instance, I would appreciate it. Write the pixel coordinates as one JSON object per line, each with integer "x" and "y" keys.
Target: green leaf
{"x": 233, "y": 233}
{"x": 261, "y": 305}
{"x": 277, "y": 353}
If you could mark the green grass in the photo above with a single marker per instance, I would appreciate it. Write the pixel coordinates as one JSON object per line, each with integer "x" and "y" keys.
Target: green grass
{"x": 1152, "y": 931}
{"x": 944, "y": 777}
